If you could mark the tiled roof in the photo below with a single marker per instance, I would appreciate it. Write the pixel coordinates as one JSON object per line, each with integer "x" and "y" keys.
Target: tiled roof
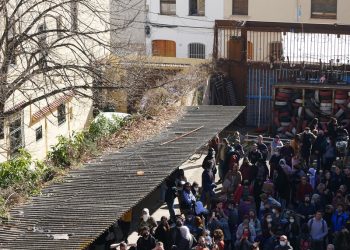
{"x": 91, "y": 199}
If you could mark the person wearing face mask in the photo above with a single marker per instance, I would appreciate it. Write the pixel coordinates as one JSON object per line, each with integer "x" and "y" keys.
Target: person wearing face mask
{"x": 283, "y": 243}
{"x": 147, "y": 221}
{"x": 255, "y": 222}
{"x": 293, "y": 231}
{"x": 276, "y": 215}
{"x": 146, "y": 241}
{"x": 195, "y": 190}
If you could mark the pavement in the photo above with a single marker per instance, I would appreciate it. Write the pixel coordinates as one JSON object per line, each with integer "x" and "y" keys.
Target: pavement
{"x": 193, "y": 172}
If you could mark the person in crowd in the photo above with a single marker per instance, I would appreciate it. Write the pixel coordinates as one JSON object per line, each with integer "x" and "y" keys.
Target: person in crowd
{"x": 214, "y": 143}
{"x": 148, "y": 221}
{"x": 162, "y": 233}
{"x": 238, "y": 148}
{"x": 287, "y": 153}
{"x": 318, "y": 231}
{"x": 303, "y": 189}
{"x": 319, "y": 148}
{"x": 283, "y": 243}
{"x": 218, "y": 240}
{"x": 209, "y": 161}
{"x": 188, "y": 200}
{"x": 282, "y": 186}
{"x": 329, "y": 155}
{"x": 201, "y": 245}
{"x": 339, "y": 218}
{"x": 247, "y": 170}
{"x": 208, "y": 184}
{"x": 307, "y": 139}
{"x": 232, "y": 179}
{"x": 260, "y": 176}
{"x": 124, "y": 224}
{"x": 146, "y": 241}
{"x": 332, "y": 128}
{"x": 255, "y": 222}
{"x": 254, "y": 155}
{"x": 304, "y": 238}
{"x": 306, "y": 209}
{"x": 293, "y": 231}
{"x": 220, "y": 157}
{"x": 242, "y": 192}
{"x": 262, "y": 147}
{"x": 159, "y": 246}
{"x": 180, "y": 236}
{"x": 276, "y": 145}
{"x": 170, "y": 195}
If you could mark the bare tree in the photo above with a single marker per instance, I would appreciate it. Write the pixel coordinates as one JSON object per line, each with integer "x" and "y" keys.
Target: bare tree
{"x": 51, "y": 47}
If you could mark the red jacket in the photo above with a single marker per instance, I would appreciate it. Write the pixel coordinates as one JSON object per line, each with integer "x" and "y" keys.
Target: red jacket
{"x": 303, "y": 190}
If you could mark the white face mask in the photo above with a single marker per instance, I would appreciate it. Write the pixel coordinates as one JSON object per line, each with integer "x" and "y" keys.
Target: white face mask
{"x": 283, "y": 243}
{"x": 274, "y": 211}
{"x": 268, "y": 219}
{"x": 145, "y": 217}
{"x": 291, "y": 220}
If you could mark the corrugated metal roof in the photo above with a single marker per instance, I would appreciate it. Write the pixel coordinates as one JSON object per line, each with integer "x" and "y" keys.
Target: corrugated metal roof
{"x": 91, "y": 199}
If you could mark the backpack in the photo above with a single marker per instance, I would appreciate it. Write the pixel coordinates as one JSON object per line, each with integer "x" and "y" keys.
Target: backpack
{"x": 323, "y": 222}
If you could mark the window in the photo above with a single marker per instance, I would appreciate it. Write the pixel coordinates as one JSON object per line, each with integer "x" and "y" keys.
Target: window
{"x": 239, "y": 7}
{"x": 276, "y": 52}
{"x": 168, "y": 7}
{"x": 324, "y": 9}
{"x": 61, "y": 114}
{"x": 197, "y": 8}
{"x": 74, "y": 15}
{"x": 39, "y": 133}
{"x": 196, "y": 50}
{"x": 16, "y": 141}
{"x": 164, "y": 48}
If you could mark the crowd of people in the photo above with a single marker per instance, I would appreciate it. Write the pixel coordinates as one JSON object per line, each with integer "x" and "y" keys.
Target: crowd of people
{"x": 289, "y": 194}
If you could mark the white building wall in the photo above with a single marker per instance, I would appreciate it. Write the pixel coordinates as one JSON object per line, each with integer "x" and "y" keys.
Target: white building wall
{"x": 290, "y": 11}
{"x": 183, "y": 28}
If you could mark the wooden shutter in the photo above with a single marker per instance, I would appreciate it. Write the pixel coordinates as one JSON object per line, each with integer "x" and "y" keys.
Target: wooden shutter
{"x": 164, "y": 48}
{"x": 239, "y": 7}
{"x": 249, "y": 50}
{"x": 201, "y": 7}
{"x": 235, "y": 49}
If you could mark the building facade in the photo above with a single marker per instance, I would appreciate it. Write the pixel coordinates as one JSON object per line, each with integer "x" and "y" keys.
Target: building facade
{"x": 290, "y": 11}
{"x": 182, "y": 29}
{"x": 46, "y": 79}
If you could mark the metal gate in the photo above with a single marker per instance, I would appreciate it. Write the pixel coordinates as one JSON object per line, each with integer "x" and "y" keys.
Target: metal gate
{"x": 259, "y": 95}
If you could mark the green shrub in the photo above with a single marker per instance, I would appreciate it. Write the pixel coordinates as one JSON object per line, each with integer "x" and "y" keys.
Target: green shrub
{"x": 59, "y": 154}
{"x": 21, "y": 169}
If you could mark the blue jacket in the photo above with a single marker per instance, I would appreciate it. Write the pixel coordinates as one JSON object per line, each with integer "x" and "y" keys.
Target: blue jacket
{"x": 338, "y": 221}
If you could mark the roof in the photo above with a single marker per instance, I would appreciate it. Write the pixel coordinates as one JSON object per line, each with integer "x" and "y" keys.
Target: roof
{"x": 91, "y": 199}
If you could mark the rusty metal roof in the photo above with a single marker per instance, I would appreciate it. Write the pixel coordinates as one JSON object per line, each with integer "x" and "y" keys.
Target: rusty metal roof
{"x": 91, "y": 199}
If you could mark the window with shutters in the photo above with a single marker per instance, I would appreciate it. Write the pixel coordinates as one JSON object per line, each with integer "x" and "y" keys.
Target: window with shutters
{"x": 239, "y": 7}
{"x": 39, "y": 133}
{"x": 324, "y": 9}
{"x": 16, "y": 135}
{"x": 165, "y": 48}
{"x": 168, "y": 7}
{"x": 61, "y": 114}
{"x": 196, "y": 50}
{"x": 197, "y": 7}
